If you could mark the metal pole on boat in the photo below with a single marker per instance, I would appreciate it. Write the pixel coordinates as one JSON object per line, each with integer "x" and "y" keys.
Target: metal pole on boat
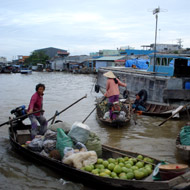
{"x": 155, "y": 11}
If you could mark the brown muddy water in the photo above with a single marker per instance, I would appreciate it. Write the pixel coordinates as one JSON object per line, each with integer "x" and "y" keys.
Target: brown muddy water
{"x": 62, "y": 89}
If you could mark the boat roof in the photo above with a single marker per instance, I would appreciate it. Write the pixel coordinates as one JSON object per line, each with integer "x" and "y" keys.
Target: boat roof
{"x": 182, "y": 56}
{"x": 110, "y": 58}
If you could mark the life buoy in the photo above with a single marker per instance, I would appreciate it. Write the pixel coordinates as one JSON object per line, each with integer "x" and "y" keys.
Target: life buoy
{"x": 58, "y": 121}
{"x": 143, "y": 95}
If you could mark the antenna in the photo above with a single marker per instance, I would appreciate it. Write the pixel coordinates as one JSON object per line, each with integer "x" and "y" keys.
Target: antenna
{"x": 179, "y": 41}
{"x": 155, "y": 12}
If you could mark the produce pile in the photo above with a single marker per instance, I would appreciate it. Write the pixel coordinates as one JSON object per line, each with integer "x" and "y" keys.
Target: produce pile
{"x": 122, "y": 168}
{"x": 104, "y": 106}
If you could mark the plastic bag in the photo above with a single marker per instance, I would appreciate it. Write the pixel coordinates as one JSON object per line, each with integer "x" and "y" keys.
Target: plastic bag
{"x": 106, "y": 115}
{"x": 49, "y": 145}
{"x": 79, "y": 132}
{"x": 43, "y": 153}
{"x": 63, "y": 125}
{"x": 81, "y": 159}
{"x": 79, "y": 124}
{"x": 36, "y": 144}
{"x": 50, "y": 135}
{"x": 68, "y": 151}
{"x": 122, "y": 116}
{"x": 94, "y": 143}
{"x": 62, "y": 141}
{"x": 80, "y": 146}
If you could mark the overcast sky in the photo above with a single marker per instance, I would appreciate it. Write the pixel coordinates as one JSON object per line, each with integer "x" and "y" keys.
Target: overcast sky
{"x": 84, "y": 26}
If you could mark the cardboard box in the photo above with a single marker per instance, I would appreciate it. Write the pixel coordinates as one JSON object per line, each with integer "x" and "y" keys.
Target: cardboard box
{"x": 23, "y": 136}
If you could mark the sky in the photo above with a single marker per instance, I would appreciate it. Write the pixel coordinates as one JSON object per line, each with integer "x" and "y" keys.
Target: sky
{"x": 85, "y": 26}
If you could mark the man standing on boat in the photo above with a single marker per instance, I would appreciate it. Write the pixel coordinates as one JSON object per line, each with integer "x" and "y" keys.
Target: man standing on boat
{"x": 36, "y": 104}
{"x": 112, "y": 90}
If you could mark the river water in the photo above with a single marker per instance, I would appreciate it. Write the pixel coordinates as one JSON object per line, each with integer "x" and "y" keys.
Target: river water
{"x": 62, "y": 89}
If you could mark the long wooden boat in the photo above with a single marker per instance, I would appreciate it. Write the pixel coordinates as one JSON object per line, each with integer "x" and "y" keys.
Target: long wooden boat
{"x": 158, "y": 110}
{"x": 78, "y": 175}
{"x": 183, "y": 150}
{"x": 117, "y": 122}
{"x": 155, "y": 109}
{"x": 6, "y": 69}
{"x": 26, "y": 71}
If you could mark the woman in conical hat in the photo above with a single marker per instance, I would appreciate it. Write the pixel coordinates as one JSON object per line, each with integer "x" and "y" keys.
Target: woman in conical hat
{"x": 112, "y": 90}
{"x": 109, "y": 74}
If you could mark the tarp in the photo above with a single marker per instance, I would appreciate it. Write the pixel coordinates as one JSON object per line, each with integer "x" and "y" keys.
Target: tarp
{"x": 139, "y": 63}
{"x": 185, "y": 135}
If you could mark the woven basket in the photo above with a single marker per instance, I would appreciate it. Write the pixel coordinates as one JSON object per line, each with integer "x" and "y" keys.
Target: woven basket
{"x": 170, "y": 171}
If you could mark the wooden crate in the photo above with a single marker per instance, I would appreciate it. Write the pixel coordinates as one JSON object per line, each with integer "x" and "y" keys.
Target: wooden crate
{"x": 23, "y": 136}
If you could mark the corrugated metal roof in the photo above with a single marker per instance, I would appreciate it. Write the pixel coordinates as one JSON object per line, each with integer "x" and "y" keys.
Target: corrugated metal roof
{"x": 110, "y": 58}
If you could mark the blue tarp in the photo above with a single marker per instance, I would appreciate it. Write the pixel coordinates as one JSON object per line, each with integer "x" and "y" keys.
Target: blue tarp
{"x": 139, "y": 63}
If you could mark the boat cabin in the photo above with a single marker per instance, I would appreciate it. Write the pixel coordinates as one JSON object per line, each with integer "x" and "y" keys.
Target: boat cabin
{"x": 177, "y": 65}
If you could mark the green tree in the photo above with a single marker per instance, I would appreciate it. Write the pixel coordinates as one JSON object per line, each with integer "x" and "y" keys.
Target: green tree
{"x": 37, "y": 57}
{"x": 176, "y": 52}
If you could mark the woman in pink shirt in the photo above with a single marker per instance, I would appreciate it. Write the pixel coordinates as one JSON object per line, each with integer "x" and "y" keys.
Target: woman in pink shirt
{"x": 36, "y": 103}
{"x": 112, "y": 90}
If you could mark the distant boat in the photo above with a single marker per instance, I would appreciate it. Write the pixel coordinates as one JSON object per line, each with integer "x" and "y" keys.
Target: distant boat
{"x": 6, "y": 69}
{"x": 26, "y": 71}
{"x": 16, "y": 69}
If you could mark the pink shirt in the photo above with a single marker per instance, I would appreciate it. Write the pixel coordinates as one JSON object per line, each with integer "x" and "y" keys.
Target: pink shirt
{"x": 36, "y": 103}
{"x": 112, "y": 88}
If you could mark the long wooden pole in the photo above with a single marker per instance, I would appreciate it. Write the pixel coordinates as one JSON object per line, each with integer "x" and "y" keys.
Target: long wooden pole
{"x": 173, "y": 114}
{"x": 93, "y": 110}
{"x": 58, "y": 113}
{"x": 20, "y": 117}
{"x": 89, "y": 115}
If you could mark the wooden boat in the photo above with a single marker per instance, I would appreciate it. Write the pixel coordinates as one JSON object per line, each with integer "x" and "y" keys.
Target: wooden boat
{"x": 183, "y": 150}
{"x": 117, "y": 122}
{"x": 6, "y": 69}
{"x": 161, "y": 110}
{"x": 89, "y": 179}
{"x": 158, "y": 110}
{"x": 26, "y": 71}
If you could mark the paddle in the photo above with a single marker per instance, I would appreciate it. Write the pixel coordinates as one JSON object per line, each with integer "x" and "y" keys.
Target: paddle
{"x": 93, "y": 110}
{"x": 58, "y": 113}
{"x": 20, "y": 117}
{"x": 173, "y": 114}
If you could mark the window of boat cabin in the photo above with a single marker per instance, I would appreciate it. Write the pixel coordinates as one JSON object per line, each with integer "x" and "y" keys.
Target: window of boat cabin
{"x": 164, "y": 62}
{"x": 158, "y": 61}
{"x": 169, "y": 60}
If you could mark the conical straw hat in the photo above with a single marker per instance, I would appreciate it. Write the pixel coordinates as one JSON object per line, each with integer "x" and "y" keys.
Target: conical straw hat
{"x": 109, "y": 74}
